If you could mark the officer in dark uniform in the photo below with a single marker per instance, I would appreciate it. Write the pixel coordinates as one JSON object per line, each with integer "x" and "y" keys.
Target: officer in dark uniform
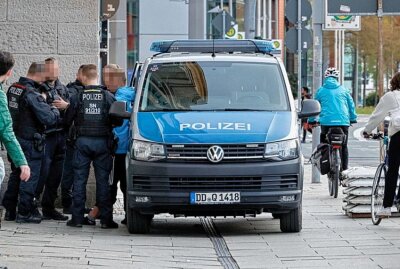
{"x": 68, "y": 173}
{"x": 89, "y": 111}
{"x": 31, "y": 114}
{"x": 52, "y": 167}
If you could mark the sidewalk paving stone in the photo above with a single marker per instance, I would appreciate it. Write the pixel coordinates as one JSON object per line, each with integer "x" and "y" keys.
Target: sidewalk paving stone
{"x": 329, "y": 239}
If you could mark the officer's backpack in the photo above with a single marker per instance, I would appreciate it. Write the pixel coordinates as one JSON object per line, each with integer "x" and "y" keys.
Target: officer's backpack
{"x": 92, "y": 118}
{"x": 320, "y": 158}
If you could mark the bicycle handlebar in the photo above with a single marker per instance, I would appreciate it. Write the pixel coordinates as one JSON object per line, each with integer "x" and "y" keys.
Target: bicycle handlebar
{"x": 377, "y": 136}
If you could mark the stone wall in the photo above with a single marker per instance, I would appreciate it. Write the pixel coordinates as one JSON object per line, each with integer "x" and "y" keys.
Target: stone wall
{"x": 36, "y": 29}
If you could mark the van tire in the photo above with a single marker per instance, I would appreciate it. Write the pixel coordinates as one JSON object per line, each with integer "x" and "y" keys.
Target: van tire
{"x": 292, "y": 222}
{"x": 137, "y": 223}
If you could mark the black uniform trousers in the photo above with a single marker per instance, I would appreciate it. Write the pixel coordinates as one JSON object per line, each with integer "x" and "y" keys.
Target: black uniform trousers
{"x": 27, "y": 189}
{"x": 67, "y": 178}
{"x": 52, "y": 169}
{"x": 88, "y": 150}
{"x": 392, "y": 174}
{"x": 119, "y": 176}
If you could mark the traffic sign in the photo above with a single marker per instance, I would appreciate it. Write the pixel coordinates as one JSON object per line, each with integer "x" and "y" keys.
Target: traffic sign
{"x": 351, "y": 7}
{"x": 342, "y": 22}
{"x": 218, "y": 21}
{"x": 291, "y": 40}
{"x": 109, "y": 8}
{"x": 391, "y": 7}
{"x": 362, "y": 8}
{"x": 291, "y": 11}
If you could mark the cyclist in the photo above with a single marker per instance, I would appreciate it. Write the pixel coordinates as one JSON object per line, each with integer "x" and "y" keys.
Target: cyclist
{"x": 389, "y": 104}
{"x": 337, "y": 110}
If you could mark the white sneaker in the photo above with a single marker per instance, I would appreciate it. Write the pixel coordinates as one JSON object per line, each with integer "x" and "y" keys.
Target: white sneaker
{"x": 384, "y": 212}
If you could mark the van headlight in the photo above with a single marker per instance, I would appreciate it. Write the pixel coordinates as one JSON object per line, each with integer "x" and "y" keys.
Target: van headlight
{"x": 282, "y": 150}
{"x": 145, "y": 151}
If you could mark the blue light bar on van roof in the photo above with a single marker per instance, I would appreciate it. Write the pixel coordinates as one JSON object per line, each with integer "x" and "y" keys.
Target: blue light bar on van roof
{"x": 216, "y": 45}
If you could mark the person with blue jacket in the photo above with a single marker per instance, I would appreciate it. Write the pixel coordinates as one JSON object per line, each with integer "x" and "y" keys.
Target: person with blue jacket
{"x": 337, "y": 110}
{"x": 115, "y": 81}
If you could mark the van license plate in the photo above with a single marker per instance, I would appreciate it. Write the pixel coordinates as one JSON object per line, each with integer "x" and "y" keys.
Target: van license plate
{"x": 214, "y": 197}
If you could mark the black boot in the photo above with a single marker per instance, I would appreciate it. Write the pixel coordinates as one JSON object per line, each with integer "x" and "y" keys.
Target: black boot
{"x": 10, "y": 215}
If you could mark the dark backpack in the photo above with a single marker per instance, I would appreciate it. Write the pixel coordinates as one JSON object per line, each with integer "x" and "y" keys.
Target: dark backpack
{"x": 320, "y": 158}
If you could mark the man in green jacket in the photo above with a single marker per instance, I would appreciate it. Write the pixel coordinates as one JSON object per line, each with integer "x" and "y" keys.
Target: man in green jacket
{"x": 7, "y": 135}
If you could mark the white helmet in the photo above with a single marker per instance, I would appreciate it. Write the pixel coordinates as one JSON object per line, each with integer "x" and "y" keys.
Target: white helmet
{"x": 332, "y": 72}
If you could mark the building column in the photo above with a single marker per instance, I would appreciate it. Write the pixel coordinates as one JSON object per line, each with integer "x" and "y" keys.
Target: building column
{"x": 118, "y": 36}
{"x": 250, "y": 18}
{"x": 197, "y": 19}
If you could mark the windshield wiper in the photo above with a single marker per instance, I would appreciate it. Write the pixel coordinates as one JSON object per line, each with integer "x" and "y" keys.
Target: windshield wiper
{"x": 166, "y": 109}
{"x": 237, "y": 109}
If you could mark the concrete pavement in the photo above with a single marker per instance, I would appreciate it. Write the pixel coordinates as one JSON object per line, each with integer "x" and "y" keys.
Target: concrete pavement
{"x": 328, "y": 240}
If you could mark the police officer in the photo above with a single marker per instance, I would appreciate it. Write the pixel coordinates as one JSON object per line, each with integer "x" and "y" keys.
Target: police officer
{"x": 7, "y": 136}
{"x": 115, "y": 81}
{"x": 52, "y": 167}
{"x": 89, "y": 112}
{"x": 68, "y": 172}
{"x": 31, "y": 114}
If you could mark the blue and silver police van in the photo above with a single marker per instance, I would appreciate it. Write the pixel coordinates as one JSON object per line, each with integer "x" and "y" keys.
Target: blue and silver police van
{"x": 214, "y": 133}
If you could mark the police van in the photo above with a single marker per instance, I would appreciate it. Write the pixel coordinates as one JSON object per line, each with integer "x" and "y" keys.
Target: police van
{"x": 214, "y": 133}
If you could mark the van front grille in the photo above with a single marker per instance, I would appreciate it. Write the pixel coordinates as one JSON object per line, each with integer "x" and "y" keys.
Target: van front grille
{"x": 268, "y": 183}
{"x": 244, "y": 152}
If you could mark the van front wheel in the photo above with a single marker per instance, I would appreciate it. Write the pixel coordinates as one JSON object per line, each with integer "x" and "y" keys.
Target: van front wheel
{"x": 292, "y": 222}
{"x": 138, "y": 223}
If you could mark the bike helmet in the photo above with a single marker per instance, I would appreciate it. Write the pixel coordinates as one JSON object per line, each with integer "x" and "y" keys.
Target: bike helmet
{"x": 332, "y": 72}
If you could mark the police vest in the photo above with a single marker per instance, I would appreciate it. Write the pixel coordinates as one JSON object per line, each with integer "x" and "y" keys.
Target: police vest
{"x": 92, "y": 118}
{"x": 25, "y": 124}
{"x": 14, "y": 96}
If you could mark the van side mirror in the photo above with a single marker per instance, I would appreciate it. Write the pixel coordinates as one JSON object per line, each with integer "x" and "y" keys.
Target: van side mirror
{"x": 118, "y": 110}
{"x": 309, "y": 108}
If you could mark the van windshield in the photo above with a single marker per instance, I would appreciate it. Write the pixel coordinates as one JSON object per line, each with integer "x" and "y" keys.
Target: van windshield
{"x": 213, "y": 86}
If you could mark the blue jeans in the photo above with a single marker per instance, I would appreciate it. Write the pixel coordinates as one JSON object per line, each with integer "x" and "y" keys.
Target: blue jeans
{"x": 88, "y": 150}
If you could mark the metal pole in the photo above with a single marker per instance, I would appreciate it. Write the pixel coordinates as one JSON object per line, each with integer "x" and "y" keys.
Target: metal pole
{"x": 259, "y": 6}
{"x": 299, "y": 28}
{"x": 318, "y": 20}
{"x": 250, "y": 18}
{"x": 270, "y": 19}
{"x": 380, "y": 53}
{"x": 315, "y": 175}
{"x": 343, "y": 50}
{"x": 223, "y": 23}
{"x": 265, "y": 18}
{"x": 356, "y": 77}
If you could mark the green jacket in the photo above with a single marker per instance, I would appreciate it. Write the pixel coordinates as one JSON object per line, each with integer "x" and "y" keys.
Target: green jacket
{"x": 7, "y": 135}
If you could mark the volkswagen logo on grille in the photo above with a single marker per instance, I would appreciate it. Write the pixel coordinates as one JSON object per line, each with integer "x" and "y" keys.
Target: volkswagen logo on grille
{"x": 215, "y": 154}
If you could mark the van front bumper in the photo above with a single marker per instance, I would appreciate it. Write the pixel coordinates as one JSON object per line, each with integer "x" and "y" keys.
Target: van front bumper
{"x": 165, "y": 187}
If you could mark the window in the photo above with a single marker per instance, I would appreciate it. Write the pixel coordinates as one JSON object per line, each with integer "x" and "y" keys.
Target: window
{"x": 213, "y": 86}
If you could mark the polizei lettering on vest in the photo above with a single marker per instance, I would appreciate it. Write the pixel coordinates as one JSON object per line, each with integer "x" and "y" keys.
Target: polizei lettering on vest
{"x": 233, "y": 126}
{"x": 15, "y": 91}
{"x": 92, "y": 97}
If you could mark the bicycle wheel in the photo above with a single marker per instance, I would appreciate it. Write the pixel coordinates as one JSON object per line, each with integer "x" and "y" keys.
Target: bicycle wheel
{"x": 377, "y": 193}
{"x": 330, "y": 183}
{"x": 335, "y": 173}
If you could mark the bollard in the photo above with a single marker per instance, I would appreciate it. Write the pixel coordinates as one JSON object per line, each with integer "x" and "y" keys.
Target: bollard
{"x": 315, "y": 176}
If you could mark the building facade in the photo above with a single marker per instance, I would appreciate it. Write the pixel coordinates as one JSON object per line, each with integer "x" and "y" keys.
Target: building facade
{"x": 148, "y": 21}
{"x": 34, "y": 30}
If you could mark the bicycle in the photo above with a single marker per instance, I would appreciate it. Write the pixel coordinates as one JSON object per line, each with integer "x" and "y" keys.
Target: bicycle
{"x": 378, "y": 185}
{"x": 335, "y": 138}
